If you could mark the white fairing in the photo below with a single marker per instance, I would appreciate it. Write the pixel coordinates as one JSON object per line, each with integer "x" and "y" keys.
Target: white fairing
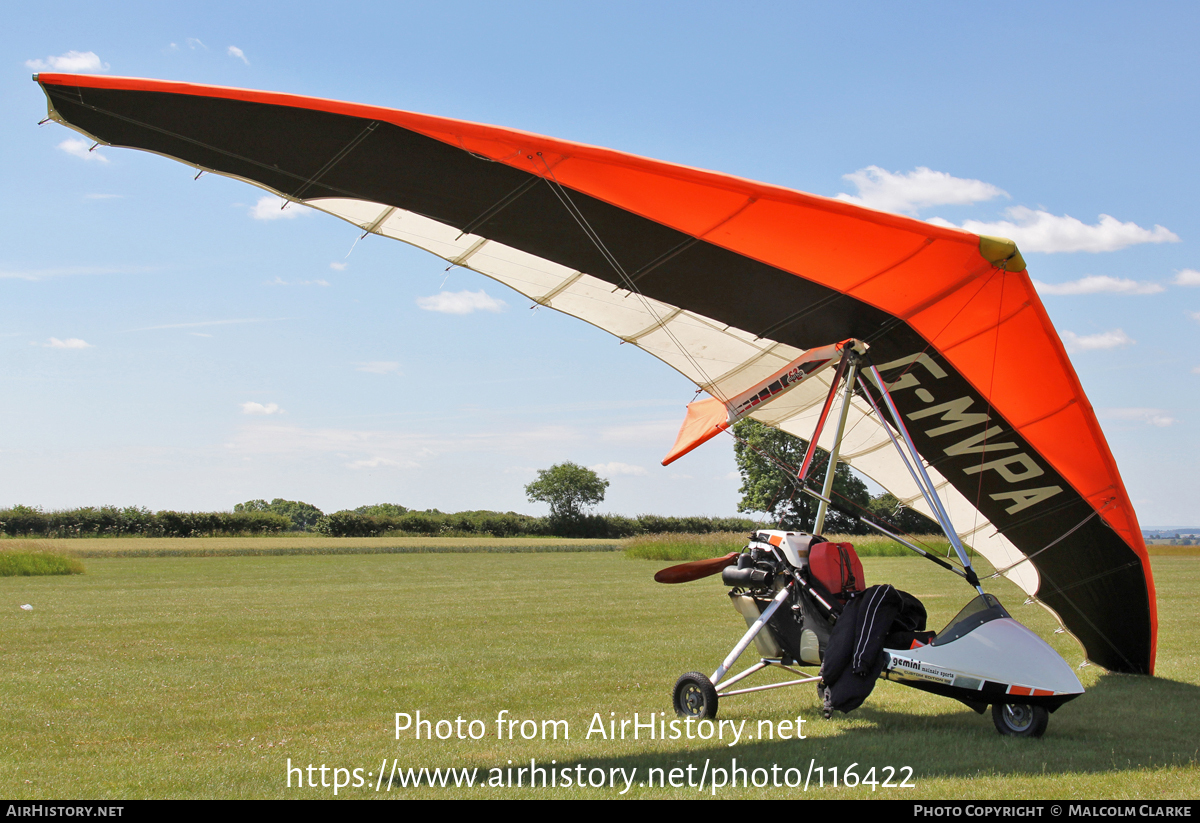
{"x": 794, "y": 545}
{"x": 1001, "y": 650}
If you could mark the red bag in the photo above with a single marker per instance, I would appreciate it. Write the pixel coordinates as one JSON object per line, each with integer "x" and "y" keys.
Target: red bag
{"x": 838, "y": 568}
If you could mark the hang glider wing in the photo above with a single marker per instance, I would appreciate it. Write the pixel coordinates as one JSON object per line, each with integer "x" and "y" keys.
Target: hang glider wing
{"x": 728, "y": 281}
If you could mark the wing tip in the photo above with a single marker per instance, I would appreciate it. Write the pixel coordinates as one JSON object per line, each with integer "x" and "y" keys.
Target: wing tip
{"x": 1001, "y": 253}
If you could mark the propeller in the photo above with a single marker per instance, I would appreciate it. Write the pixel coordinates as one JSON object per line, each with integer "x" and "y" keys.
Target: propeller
{"x": 687, "y": 572}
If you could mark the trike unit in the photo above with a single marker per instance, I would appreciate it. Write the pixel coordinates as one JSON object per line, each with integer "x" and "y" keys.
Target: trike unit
{"x": 982, "y": 657}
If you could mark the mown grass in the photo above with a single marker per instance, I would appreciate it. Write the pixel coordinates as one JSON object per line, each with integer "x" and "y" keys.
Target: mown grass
{"x": 203, "y": 677}
{"x": 33, "y": 558}
{"x": 299, "y": 543}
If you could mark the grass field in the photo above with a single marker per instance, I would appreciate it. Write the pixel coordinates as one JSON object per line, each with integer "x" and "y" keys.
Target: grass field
{"x": 204, "y": 676}
{"x": 296, "y": 543}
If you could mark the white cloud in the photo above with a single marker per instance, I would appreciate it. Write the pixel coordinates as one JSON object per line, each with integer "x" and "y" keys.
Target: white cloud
{"x": 461, "y": 302}
{"x": 380, "y": 462}
{"x": 69, "y": 343}
{"x": 234, "y": 51}
{"x": 259, "y": 408}
{"x": 193, "y": 43}
{"x": 338, "y": 266}
{"x": 607, "y": 469}
{"x": 1187, "y": 277}
{"x": 918, "y": 189}
{"x": 1041, "y": 231}
{"x": 379, "y": 367}
{"x": 1114, "y": 339}
{"x": 401, "y": 446}
{"x": 82, "y": 149}
{"x": 1099, "y": 284}
{"x": 1153, "y": 417}
{"x": 1195, "y": 315}
{"x": 275, "y": 208}
{"x": 74, "y": 62}
{"x": 650, "y": 432}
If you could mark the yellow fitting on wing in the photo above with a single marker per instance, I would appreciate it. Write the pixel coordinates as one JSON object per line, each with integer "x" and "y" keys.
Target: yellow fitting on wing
{"x": 1001, "y": 253}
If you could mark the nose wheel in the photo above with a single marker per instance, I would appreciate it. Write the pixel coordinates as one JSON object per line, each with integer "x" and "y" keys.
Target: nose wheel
{"x": 695, "y": 696}
{"x": 1020, "y": 719}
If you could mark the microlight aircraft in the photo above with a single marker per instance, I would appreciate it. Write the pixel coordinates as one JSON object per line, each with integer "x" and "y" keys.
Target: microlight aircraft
{"x": 730, "y": 282}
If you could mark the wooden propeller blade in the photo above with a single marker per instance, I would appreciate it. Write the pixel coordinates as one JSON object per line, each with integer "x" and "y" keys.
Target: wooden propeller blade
{"x": 687, "y": 572}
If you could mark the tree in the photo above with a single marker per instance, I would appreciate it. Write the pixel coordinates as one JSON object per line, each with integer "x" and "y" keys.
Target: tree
{"x": 303, "y": 515}
{"x": 909, "y": 521}
{"x": 382, "y": 510}
{"x": 768, "y": 488}
{"x": 568, "y": 489}
{"x": 253, "y": 506}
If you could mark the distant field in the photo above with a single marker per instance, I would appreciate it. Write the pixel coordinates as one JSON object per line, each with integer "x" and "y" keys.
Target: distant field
{"x": 297, "y": 543}
{"x": 203, "y": 677}
{"x": 1160, "y": 550}
{"x": 648, "y": 547}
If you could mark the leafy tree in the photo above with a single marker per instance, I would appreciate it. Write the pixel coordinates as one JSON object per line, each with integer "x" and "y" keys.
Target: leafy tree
{"x": 768, "y": 488}
{"x": 303, "y": 516}
{"x": 568, "y": 489}
{"x": 253, "y": 506}
{"x": 382, "y": 510}
{"x": 888, "y": 508}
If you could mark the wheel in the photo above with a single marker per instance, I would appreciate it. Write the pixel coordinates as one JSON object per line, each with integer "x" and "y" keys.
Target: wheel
{"x": 695, "y": 696}
{"x": 1020, "y": 719}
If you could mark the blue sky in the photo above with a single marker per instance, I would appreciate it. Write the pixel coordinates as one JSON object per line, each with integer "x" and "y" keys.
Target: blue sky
{"x": 163, "y": 345}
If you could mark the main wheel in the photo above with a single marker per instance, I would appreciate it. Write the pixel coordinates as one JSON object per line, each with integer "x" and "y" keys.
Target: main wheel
{"x": 1020, "y": 719}
{"x": 695, "y": 696}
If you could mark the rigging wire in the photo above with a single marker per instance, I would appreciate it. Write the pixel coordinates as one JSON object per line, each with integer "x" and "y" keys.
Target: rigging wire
{"x": 791, "y": 475}
{"x": 564, "y": 197}
{"x": 1062, "y": 537}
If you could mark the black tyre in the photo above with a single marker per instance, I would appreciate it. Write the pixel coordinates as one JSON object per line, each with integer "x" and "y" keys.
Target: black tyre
{"x": 1020, "y": 719}
{"x": 695, "y": 696}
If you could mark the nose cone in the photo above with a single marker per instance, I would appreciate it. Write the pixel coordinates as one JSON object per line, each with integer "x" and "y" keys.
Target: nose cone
{"x": 1004, "y": 651}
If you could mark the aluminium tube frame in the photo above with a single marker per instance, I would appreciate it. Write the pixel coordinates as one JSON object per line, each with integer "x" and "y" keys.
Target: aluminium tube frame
{"x": 916, "y": 468}
{"x": 927, "y": 489}
{"x": 758, "y": 667}
{"x": 751, "y": 633}
{"x": 843, "y": 413}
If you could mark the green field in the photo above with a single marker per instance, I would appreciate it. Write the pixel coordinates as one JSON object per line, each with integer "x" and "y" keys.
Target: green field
{"x": 295, "y": 543}
{"x": 203, "y": 676}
